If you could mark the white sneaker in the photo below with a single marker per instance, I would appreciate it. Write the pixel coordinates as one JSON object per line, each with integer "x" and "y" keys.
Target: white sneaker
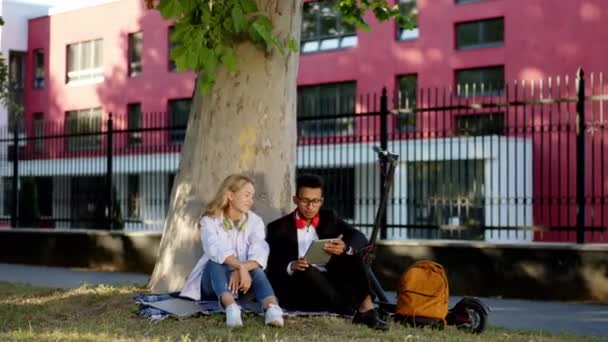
{"x": 233, "y": 316}
{"x": 274, "y": 316}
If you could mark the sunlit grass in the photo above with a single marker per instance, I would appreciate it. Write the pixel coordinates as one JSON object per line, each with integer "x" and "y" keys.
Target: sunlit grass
{"x": 107, "y": 313}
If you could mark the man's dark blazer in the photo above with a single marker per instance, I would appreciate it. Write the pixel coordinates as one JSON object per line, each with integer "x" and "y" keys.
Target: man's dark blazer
{"x": 282, "y": 237}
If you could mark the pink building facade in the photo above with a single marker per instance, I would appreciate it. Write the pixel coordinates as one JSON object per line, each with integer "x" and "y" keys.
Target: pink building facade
{"x": 485, "y": 40}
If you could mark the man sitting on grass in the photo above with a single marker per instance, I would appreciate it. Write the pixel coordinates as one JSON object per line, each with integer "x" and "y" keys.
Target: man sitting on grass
{"x": 342, "y": 285}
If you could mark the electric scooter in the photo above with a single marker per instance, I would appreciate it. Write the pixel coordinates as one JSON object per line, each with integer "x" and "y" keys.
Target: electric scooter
{"x": 469, "y": 314}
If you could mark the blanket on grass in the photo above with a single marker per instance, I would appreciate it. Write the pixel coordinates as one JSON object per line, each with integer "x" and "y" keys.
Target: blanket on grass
{"x": 157, "y": 307}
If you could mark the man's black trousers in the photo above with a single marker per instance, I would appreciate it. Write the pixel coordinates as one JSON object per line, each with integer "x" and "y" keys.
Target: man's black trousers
{"x": 340, "y": 289}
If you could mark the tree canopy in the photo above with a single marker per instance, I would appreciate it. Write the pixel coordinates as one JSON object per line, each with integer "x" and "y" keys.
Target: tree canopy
{"x": 4, "y": 96}
{"x": 7, "y": 98}
{"x": 208, "y": 31}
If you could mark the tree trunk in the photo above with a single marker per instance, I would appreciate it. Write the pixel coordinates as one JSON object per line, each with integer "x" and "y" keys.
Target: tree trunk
{"x": 245, "y": 124}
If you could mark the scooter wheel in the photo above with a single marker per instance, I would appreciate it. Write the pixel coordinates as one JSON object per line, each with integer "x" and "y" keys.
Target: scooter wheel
{"x": 474, "y": 320}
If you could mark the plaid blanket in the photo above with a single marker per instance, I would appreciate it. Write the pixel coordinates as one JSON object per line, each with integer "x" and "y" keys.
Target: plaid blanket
{"x": 147, "y": 310}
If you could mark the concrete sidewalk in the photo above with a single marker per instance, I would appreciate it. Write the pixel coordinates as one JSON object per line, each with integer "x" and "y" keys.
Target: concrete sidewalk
{"x": 578, "y": 319}
{"x": 65, "y": 277}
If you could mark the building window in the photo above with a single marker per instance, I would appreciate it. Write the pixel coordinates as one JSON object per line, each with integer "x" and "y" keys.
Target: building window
{"x": 318, "y": 104}
{"x": 480, "y": 81}
{"x": 408, "y": 9}
{"x": 467, "y": 1}
{"x": 88, "y": 202}
{"x": 172, "y": 45}
{"x": 38, "y": 133}
{"x": 16, "y": 82}
{"x": 85, "y": 61}
{"x": 339, "y": 190}
{"x": 178, "y": 119}
{"x": 134, "y": 123}
{"x": 135, "y": 48}
{"x": 83, "y": 128}
{"x": 446, "y": 192}
{"x": 480, "y": 124}
{"x": 16, "y": 70}
{"x": 323, "y": 28}
{"x": 38, "y": 69}
{"x": 133, "y": 197}
{"x": 483, "y": 33}
{"x": 406, "y": 102}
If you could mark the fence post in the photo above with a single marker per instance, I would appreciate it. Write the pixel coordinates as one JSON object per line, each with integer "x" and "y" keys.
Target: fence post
{"x": 15, "y": 192}
{"x": 580, "y": 156}
{"x": 109, "y": 185}
{"x": 384, "y": 146}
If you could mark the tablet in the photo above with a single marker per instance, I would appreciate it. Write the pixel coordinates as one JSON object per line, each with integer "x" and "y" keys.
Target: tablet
{"x": 315, "y": 254}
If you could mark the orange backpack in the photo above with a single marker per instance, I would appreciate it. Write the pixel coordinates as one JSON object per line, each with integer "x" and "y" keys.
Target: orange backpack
{"x": 423, "y": 292}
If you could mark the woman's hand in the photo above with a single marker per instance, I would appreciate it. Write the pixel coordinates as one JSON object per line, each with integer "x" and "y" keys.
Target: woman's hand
{"x": 245, "y": 279}
{"x": 234, "y": 282}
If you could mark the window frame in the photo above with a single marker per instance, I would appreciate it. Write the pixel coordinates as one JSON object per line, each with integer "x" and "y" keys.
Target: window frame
{"x": 177, "y": 136}
{"x": 135, "y": 64}
{"x": 39, "y": 68}
{"x": 344, "y": 40}
{"x": 171, "y": 66}
{"x": 83, "y": 73}
{"x": 78, "y": 140}
{"x": 480, "y": 126}
{"x": 481, "y": 33}
{"x": 345, "y": 108}
{"x": 447, "y": 190}
{"x": 475, "y": 92}
{"x": 133, "y": 197}
{"x": 464, "y": 2}
{"x": 406, "y": 120}
{"x": 414, "y": 33}
{"x": 134, "y": 137}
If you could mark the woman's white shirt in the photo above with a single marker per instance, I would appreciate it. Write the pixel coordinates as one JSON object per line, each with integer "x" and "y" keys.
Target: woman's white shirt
{"x": 219, "y": 242}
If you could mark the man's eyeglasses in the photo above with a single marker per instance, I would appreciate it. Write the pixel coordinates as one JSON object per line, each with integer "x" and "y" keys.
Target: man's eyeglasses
{"x": 308, "y": 201}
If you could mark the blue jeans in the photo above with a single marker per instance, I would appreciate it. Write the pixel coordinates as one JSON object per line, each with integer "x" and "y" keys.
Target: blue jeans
{"x": 214, "y": 282}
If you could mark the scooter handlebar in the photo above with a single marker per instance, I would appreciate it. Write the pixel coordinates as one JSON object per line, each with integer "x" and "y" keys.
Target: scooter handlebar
{"x": 385, "y": 154}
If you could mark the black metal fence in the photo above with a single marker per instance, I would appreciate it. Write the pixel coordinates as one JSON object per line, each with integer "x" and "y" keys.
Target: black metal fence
{"x": 69, "y": 173}
{"x": 526, "y": 163}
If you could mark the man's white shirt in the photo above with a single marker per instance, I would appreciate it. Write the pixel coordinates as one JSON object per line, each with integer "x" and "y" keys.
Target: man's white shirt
{"x": 306, "y": 236}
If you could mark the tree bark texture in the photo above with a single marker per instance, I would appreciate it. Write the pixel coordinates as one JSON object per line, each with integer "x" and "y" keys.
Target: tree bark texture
{"x": 245, "y": 124}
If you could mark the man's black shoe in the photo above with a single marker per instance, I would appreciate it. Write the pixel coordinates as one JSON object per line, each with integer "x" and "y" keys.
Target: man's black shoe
{"x": 371, "y": 319}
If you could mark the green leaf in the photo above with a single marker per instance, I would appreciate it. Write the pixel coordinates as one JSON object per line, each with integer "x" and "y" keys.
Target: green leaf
{"x": 263, "y": 27}
{"x": 208, "y": 60}
{"x": 177, "y": 51}
{"x": 248, "y": 6}
{"x": 205, "y": 82}
{"x": 292, "y": 45}
{"x": 239, "y": 20}
{"x": 229, "y": 59}
{"x": 169, "y": 9}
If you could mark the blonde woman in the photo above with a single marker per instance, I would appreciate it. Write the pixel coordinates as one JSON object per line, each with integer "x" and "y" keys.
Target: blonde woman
{"x": 235, "y": 254}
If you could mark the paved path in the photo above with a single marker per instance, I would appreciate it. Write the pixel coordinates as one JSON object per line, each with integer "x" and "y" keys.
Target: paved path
{"x": 579, "y": 319}
{"x": 65, "y": 277}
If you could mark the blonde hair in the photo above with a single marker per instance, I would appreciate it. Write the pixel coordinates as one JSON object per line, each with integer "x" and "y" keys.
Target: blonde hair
{"x": 233, "y": 183}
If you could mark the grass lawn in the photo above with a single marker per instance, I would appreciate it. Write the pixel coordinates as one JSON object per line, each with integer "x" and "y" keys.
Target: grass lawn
{"x": 106, "y": 313}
